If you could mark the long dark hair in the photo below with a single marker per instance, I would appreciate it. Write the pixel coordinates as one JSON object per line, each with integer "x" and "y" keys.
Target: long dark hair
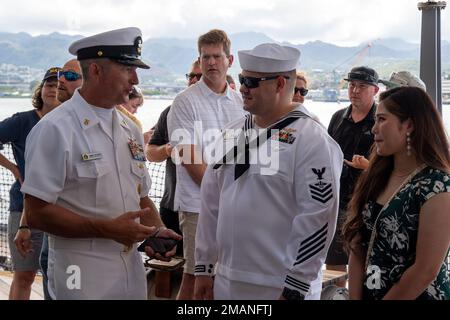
{"x": 428, "y": 140}
{"x": 36, "y": 100}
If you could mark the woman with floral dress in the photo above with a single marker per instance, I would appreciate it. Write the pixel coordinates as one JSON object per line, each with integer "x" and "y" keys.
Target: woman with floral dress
{"x": 397, "y": 231}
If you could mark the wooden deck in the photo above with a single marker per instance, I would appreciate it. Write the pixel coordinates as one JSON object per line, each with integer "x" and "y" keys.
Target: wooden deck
{"x": 330, "y": 278}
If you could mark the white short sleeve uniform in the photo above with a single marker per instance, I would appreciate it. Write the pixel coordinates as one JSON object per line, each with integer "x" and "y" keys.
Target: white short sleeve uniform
{"x": 197, "y": 117}
{"x": 272, "y": 230}
{"x": 76, "y": 163}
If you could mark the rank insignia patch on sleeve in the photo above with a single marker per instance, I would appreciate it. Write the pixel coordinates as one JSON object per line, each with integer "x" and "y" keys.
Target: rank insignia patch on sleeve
{"x": 322, "y": 190}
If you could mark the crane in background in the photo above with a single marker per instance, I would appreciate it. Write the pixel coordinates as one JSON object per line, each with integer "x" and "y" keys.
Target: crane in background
{"x": 332, "y": 92}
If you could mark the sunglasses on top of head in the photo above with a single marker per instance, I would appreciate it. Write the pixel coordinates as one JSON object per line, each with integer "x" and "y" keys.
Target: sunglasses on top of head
{"x": 190, "y": 76}
{"x": 252, "y": 82}
{"x": 303, "y": 91}
{"x": 69, "y": 75}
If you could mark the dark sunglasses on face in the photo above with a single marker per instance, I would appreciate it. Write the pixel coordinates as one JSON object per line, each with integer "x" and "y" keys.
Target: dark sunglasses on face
{"x": 69, "y": 75}
{"x": 303, "y": 91}
{"x": 190, "y": 76}
{"x": 251, "y": 82}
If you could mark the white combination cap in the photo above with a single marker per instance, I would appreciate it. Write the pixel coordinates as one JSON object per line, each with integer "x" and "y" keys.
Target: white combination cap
{"x": 403, "y": 79}
{"x": 123, "y": 46}
{"x": 269, "y": 58}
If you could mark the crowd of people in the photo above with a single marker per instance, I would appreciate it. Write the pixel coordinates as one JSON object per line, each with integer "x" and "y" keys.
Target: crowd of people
{"x": 259, "y": 196}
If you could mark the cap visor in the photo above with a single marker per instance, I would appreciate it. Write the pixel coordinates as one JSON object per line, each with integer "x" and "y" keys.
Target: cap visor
{"x": 389, "y": 84}
{"x": 368, "y": 82}
{"x": 133, "y": 62}
{"x": 55, "y": 77}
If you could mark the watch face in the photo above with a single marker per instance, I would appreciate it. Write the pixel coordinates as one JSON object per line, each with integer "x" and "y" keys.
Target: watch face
{"x": 290, "y": 294}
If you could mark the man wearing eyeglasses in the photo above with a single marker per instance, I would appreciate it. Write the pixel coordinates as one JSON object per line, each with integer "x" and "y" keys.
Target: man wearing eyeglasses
{"x": 267, "y": 227}
{"x": 351, "y": 128}
{"x": 86, "y": 182}
{"x": 204, "y": 107}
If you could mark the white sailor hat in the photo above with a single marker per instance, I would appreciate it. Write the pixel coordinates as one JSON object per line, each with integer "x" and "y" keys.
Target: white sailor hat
{"x": 123, "y": 46}
{"x": 269, "y": 58}
{"x": 403, "y": 79}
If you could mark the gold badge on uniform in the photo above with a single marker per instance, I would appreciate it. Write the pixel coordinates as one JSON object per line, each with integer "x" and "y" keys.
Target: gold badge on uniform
{"x": 91, "y": 156}
{"x": 86, "y": 122}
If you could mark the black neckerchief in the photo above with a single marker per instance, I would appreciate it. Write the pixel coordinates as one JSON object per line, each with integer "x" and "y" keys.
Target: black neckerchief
{"x": 241, "y": 168}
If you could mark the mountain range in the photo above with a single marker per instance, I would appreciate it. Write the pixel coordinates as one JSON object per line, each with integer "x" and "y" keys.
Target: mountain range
{"x": 171, "y": 57}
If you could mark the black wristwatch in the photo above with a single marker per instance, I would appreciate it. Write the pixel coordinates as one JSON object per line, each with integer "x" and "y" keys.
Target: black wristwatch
{"x": 291, "y": 294}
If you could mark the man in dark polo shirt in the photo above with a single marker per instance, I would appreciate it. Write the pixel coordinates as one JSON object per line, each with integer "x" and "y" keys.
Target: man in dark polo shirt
{"x": 351, "y": 128}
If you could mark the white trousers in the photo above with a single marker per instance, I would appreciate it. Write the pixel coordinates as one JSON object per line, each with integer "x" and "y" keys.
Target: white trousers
{"x": 225, "y": 289}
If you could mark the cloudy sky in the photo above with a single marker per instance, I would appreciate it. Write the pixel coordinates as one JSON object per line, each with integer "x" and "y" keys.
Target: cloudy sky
{"x": 343, "y": 22}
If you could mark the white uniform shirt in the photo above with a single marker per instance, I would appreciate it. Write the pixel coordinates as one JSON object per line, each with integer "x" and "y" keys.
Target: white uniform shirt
{"x": 272, "y": 230}
{"x": 105, "y": 184}
{"x": 193, "y": 112}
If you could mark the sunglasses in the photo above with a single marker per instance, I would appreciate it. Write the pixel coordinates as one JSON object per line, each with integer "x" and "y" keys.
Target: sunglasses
{"x": 251, "y": 82}
{"x": 303, "y": 91}
{"x": 190, "y": 76}
{"x": 69, "y": 75}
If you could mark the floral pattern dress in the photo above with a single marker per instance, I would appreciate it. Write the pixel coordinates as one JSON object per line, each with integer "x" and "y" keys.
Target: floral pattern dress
{"x": 394, "y": 247}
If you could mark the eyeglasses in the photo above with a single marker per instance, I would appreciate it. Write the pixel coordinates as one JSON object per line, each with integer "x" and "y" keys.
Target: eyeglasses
{"x": 190, "y": 76}
{"x": 251, "y": 82}
{"x": 69, "y": 75}
{"x": 303, "y": 91}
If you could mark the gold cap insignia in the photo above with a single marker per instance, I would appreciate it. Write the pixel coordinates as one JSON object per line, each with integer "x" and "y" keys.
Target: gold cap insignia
{"x": 138, "y": 44}
{"x": 100, "y": 53}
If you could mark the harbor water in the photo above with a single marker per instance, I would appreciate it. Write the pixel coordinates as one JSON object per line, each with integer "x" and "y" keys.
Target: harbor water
{"x": 152, "y": 108}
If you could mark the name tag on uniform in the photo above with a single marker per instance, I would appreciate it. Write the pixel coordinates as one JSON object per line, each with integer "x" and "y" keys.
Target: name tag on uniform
{"x": 137, "y": 151}
{"x": 91, "y": 156}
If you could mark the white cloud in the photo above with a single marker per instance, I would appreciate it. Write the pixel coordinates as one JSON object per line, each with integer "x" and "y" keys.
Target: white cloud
{"x": 344, "y": 22}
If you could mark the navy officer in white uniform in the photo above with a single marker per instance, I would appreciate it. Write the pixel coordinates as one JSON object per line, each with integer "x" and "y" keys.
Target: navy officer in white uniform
{"x": 86, "y": 180}
{"x": 268, "y": 227}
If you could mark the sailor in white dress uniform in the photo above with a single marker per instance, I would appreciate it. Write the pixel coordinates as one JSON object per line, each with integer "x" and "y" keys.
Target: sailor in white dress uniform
{"x": 268, "y": 226}
{"x": 86, "y": 179}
